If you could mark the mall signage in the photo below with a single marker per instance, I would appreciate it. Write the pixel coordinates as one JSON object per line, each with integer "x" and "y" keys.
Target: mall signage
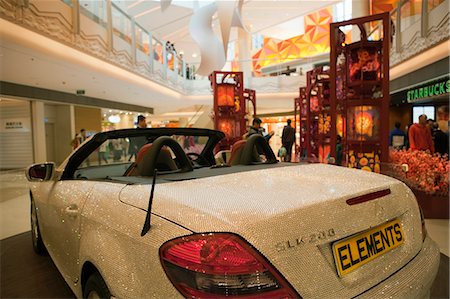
{"x": 427, "y": 91}
{"x": 12, "y": 125}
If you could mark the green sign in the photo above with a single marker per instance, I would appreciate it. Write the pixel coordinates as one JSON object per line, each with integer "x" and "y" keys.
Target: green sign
{"x": 428, "y": 91}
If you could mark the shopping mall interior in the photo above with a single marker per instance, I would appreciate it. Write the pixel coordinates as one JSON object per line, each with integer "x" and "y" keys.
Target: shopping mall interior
{"x": 352, "y": 76}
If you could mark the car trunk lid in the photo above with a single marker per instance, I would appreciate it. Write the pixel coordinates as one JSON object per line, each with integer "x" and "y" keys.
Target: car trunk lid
{"x": 293, "y": 216}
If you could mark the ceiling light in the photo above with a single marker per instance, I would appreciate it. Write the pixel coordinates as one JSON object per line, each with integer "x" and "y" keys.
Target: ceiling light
{"x": 114, "y": 119}
{"x": 194, "y": 55}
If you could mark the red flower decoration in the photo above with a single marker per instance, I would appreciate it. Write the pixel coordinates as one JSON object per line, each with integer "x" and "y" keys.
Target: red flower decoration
{"x": 426, "y": 172}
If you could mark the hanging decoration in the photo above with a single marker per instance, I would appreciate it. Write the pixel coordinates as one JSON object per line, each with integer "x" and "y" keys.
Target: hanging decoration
{"x": 213, "y": 50}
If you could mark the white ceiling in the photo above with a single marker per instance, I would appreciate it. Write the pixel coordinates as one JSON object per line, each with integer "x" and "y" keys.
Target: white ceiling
{"x": 261, "y": 16}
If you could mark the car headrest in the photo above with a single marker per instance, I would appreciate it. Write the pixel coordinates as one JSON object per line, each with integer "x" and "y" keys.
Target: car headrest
{"x": 154, "y": 156}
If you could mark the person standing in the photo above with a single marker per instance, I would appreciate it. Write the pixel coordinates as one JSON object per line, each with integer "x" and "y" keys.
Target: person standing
{"x": 440, "y": 140}
{"x": 288, "y": 139}
{"x": 420, "y": 138}
{"x": 397, "y": 136}
{"x": 102, "y": 153}
{"x": 137, "y": 142}
{"x": 82, "y": 136}
{"x": 75, "y": 142}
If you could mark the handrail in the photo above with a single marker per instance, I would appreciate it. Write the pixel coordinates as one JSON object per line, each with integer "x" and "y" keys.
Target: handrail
{"x": 193, "y": 117}
{"x": 391, "y": 13}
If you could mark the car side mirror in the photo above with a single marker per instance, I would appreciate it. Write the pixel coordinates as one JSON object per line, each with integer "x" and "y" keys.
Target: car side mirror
{"x": 40, "y": 172}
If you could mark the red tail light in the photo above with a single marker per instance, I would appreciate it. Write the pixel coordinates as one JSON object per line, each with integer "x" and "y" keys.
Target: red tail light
{"x": 221, "y": 265}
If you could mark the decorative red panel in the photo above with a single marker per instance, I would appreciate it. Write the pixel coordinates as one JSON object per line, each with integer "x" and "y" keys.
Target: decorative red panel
{"x": 230, "y": 106}
{"x": 359, "y": 79}
{"x": 225, "y": 95}
{"x": 315, "y": 118}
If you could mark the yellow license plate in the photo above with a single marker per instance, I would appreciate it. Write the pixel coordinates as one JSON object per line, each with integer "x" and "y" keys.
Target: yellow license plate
{"x": 355, "y": 251}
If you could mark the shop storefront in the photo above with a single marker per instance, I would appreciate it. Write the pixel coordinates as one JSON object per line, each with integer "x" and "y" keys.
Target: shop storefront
{"x": 16, "y": 146}
{"x": 425, "y": 91}
{"x": 276, "y": 122}
{"x": 430, "y": 98}
{"x": 39, "y": 125}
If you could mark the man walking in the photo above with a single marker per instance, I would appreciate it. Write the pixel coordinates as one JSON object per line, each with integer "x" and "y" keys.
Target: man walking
{"x": 288, "y": 139}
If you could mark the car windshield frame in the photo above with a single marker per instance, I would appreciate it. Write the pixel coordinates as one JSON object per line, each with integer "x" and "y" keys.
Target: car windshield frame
{"x": 94, "y": 143}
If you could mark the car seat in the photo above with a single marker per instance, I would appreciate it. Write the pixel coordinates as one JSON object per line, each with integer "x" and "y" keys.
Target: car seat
{"x": 140, "y": 167}
{"x": 236, "y": 152}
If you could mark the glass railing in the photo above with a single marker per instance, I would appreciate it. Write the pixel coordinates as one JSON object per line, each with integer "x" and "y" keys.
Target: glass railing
{"x": 410, "y": 13}
{"x": 432, "y": 4}
{"x": 94, "y": 10}
{"x": 108, "y": 32}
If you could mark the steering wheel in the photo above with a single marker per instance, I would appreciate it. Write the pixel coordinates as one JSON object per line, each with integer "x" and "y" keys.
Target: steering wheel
{"x": 198, "y": 159}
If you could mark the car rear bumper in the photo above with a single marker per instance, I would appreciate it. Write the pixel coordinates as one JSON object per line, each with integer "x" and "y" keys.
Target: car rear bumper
{"x": 414, "y": 280}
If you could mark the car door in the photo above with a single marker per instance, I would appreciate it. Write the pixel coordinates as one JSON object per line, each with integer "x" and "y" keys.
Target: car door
{"x": 62, "y": 213}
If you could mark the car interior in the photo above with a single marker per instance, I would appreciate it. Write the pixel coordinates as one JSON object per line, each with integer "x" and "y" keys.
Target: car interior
{"x": 165, "y": 157}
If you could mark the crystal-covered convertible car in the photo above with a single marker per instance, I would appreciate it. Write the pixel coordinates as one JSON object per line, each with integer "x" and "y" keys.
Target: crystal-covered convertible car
{"x": 150, "y": 213}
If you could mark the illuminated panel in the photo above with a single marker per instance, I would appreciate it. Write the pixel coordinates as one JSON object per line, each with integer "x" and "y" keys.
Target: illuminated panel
{"x": 316, "y": 40}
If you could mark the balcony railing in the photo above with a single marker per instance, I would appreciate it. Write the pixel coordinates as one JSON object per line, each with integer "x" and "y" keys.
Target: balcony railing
{"x": 103, "y": 30}
{"x": 419, "y": 25}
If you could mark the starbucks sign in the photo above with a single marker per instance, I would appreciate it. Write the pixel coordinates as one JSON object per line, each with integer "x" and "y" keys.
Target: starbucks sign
{"x": 436, "y": 88}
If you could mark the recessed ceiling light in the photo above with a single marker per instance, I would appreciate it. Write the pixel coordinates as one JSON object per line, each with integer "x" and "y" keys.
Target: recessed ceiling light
{"x": 194, "y": 55}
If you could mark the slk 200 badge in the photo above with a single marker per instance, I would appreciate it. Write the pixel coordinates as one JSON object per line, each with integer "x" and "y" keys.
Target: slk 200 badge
{"x": 312, "y": 238}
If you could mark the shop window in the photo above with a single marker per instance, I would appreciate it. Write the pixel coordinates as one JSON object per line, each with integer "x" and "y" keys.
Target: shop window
{"x": 429, "y": 111}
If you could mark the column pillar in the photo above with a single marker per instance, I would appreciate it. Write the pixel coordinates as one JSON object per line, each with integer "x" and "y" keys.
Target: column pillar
{"x": 109, "y": 28}
{"x": 360, "y": 8}
{"x": 76, "y": 16}
{"x": 39, "y": 146}
{"x": 72, "y": 121}
{"x": 133, "y": 40}
{"x": 424, "y": 19}
{"x": 245, "y": 50}
{"x": 151, "y": 52}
